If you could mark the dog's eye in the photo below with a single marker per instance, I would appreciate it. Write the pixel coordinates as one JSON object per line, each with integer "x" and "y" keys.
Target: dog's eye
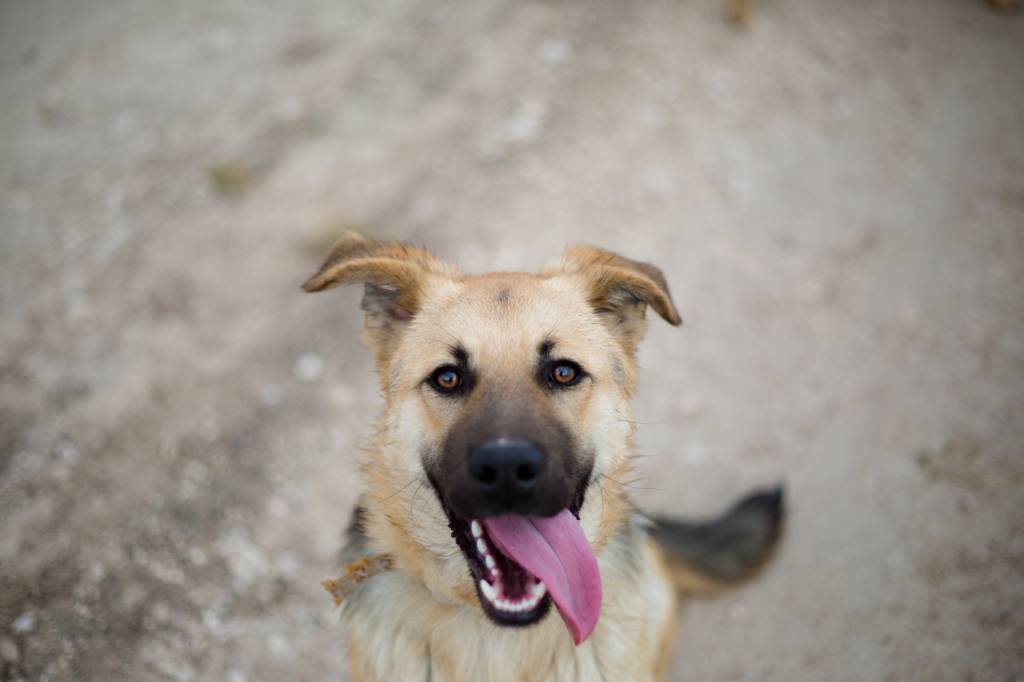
{"x": 446, "y": 379}
{"x": 565, "y": 373}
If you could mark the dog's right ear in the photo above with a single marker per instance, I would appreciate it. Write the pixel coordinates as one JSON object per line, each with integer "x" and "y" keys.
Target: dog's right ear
{"x": 395, "y": 276}
{"x": 620, "y": 290}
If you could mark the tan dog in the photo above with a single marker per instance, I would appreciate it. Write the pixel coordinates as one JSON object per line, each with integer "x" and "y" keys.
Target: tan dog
{"x": 493, "y": 483}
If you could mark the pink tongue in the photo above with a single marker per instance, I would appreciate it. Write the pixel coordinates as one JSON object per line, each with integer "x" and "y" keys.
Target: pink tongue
{"x": 556, "y": 551}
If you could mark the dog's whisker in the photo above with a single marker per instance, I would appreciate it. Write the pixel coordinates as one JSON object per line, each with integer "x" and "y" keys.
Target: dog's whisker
{"x": 412, "y": 503}
{"x": 634, "y": 422}
{"x": 400, "y": 490}
{"x": 633, "y": 485}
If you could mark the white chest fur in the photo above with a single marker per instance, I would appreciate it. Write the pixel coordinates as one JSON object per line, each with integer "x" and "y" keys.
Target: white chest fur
{"x": 397, "y": 630}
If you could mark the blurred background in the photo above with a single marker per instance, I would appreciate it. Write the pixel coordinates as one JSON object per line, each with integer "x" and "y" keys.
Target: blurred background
{"x": 834, "y": 189}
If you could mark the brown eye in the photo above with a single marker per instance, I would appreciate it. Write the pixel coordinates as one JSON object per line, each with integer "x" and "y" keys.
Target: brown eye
{"x": 446, "y": 379}
{"x": 565, "y": 373}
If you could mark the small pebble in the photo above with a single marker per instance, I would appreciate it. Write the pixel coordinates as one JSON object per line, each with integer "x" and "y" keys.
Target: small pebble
{"x": 690, "y": 404}
{"x": 555, "y": 51}
{"x": 272, "y": 395}
{"x": 24, "y": 623}
{"x": 695, "y": 453}
{"x": 197, "y": 556}
{"x": 738, "y": 612}
{"x": 9, "y": 651}
{"x": 309, "y": 367}
{"x": 278, "y": 645}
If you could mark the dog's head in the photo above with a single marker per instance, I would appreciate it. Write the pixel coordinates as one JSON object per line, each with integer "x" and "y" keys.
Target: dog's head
{"x": 507, "y": 401}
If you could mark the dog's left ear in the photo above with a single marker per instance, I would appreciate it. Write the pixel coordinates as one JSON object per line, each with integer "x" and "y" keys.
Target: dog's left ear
{"x": 620, "y": 289}
{"x": 396, "y": 278}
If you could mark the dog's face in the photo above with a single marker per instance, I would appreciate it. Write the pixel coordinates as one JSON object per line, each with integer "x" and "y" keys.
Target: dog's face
{"x": 507, "y": 398}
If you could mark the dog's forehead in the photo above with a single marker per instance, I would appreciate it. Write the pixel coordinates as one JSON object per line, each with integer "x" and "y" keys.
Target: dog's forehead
{"x": 503, "y": 314}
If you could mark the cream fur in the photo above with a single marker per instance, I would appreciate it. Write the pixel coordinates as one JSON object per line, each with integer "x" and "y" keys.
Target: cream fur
{"x": 398, "y": 630}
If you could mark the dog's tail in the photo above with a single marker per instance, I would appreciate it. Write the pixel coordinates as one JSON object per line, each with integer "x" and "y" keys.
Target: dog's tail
{"x": 713, "y": 555}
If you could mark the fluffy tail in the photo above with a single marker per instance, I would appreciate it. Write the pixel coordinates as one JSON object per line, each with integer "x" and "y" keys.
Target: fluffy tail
{"x": 712, "y": 555}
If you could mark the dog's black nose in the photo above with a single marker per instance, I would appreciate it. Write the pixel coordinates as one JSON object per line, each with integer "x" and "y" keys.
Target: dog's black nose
{"x": 506, "y": 470}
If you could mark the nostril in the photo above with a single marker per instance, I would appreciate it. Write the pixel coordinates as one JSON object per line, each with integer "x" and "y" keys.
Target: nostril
{"x": 487, "y": 475}
{"x": 484, "y": 473}
{"x": 526, "y": 473}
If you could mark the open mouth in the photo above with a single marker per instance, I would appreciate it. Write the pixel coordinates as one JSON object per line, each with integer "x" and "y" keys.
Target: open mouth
{"x": 508, "y": 592}
{"x": 521, "y": 564}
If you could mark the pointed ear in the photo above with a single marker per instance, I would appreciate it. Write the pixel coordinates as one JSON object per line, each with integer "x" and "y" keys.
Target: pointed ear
{"x": 396, "y": 277}
{"x": 621, "y": 289}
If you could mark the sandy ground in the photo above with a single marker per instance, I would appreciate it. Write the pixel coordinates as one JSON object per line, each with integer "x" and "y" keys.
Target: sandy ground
{"x": 836, "y": 194}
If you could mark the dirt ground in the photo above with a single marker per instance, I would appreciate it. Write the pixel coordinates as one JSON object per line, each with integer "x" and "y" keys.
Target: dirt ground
{"x": 836, "y": 193}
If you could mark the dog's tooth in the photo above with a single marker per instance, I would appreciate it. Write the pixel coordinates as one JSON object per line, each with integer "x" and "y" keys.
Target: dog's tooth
{"x": 489, "y": 560}
{"x": 475, "y": 529}
{"x": 538, "y": 590}
{"x": 481, "y": 547}
{"x": 488, "y": 591}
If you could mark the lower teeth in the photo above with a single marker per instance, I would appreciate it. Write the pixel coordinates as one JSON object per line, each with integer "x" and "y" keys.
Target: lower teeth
{"x": 490, "y": 592}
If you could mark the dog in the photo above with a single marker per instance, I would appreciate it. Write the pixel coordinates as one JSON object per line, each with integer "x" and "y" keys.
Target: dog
{"x": 494, "y": 482}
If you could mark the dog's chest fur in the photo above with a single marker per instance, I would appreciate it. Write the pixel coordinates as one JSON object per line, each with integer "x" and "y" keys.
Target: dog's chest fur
{"x": 398, "y": 630}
